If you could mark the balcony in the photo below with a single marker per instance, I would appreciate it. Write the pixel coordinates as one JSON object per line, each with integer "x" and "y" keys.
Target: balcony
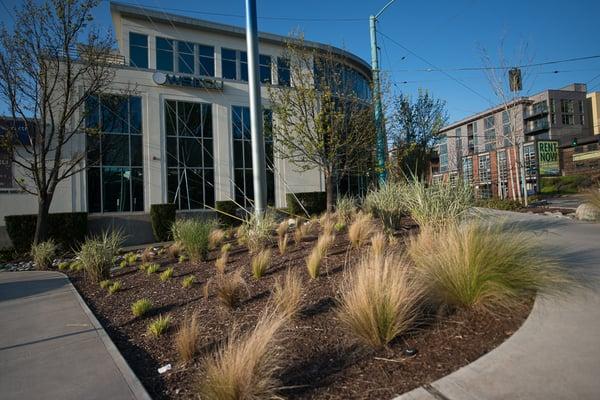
{"x": 537, "y": 126}
{"x": 535, "y": 110}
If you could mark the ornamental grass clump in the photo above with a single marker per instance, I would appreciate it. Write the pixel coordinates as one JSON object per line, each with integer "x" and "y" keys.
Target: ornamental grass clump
{"x": 287, "y": 293}
{"x": 43, "y": 253}
{"x": 166, "y": 274}
{"x": 315, "y": 258}
{"x": 378, "y": 244}
{"x": 147, "y": 255}
{"x": 105, "y": 283}
{"x": 230, "y": 288}
{"x": 437, "y": 205}
{"x": 159, "y": 325}
{"x": 187, "y": 337}
{"x": 152, "y": 268}
{"x": 361, "y": 230}
{"x": 194, "y": 234}
{"x": 141, "y": 307}
{"x": 261, "y": 263}
{"x": 484, "y": 265}
{"x": 97, "y": 254}
{"x": 245, "y": 366}
{"x": 282, "y": 243}
{"x": 379, "y": 299}
{"x": 188, "y": 281}
{"x": 387, "y": 203}
{"x": 345, "y": 208}
{"x": 215, "y": 238}
{"x": 115, "y": 287}
{"x": 256, "y": 233}
{"x": 174, "y": 250}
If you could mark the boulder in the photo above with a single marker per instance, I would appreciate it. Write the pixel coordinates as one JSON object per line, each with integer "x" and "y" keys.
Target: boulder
{"x": 587, "y": 212}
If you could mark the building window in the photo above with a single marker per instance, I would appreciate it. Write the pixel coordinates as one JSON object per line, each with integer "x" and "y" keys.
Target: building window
{"x": 264, "y": 68}
{"x": 502, "y": 165}
{"x": 206, "y": 55}
{"x": 283, "y": 71}
{"x": 468, "y": 169}
{"x": 138, "y": 50}
{"x": 243, "y": 57}
{"x": 190, "y": 162}
{"x": 242, "y": 156}
{"x": 489, "y": 133}
{"x": 579, "y": 116}
{"x": 185, "y": 57}
{"x": 164, "y": 54}
{"x": 114, "y": 157}
{"x": 552, "y": 111}
{"x": 472, "y": 135}
{"x": 568, "y": 112}
{"x": 443, "y": 152}
{"x": 530, "y": 161}
{"x": 229, "y": 63}
{"x": 485, "y": 168}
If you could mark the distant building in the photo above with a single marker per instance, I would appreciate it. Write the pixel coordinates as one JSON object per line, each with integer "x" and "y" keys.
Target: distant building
{"x": 481, "y": 150}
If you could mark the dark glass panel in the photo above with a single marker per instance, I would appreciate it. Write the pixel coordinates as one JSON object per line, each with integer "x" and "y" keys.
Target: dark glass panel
{"x": 171, "y": 152}
{"x": 138, "y": 39}
{"x": 138, "y": 50}
{"x": 171, "y": 117}
{"x": 93, "y": 190}
{"x": 135, "y": 115}
{"x": 246, "y": 122}
{"x": 283, "y": 71}
{"x": 236, "y": 122}
{"x": 189, "y": 119}
{"x": 164, "y": 54}
{"x": 114, "y": 112}
{"x": 249, "y": 186}
{"x": 190, "y": 153}
{"x": 136, "y": 150}
{"x": 137, "y": 185}
{"x": 183, "y": 189}
{"x": 92, "y": 112}
{"x": 195, "y": 182}
{"x": 209, "y": 187}
{"x": 239, "y": 186}
{"x": 243, "y": 66}
{"x": 247, "y": 154}
{"x": 207, "y": 120}
{"x": 228, "y": 68}
{"x": 172, "y": 181}
{"x": 116, "y": 188}
{"x": 93, "y": 150}
{"x": 270, "y": 188}
{"x": 238, "y": 154}
{"x": 115, "y": 150}
{"x": 186, "y": 63}
{"x": 208, "y": 153}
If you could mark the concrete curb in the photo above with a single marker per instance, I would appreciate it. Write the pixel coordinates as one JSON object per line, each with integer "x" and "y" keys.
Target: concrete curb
{"x": 137, "y": 389}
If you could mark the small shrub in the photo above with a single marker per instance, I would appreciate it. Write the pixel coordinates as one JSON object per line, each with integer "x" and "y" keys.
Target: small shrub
{"x": 313, "y": 202}
{"x": 166, "y": 274}
{"x": 361, "y": 230}
{"x": 379, "y": 299}
{"x": 188, "y": 281}
{"x": 215, "y": 238}
{"x": 245, "y": 367}
{"x": 63, "y": 266}
{"x": 152, "y": 268}
{"x": 131, "y": 258}
{"x": 226, "y": 248}
{"x": 227, "y": 212}
{"x": 97, "y": 255}
{"x": 76, "y": 266}
{"x": 194, "y": 234}
{"x": 345, "y": 208}
{"x": 282, "y": 243}
{"x": 313, "y": 262}
{"x": 123, "y": 264}
{"x": 162, "y": 217}
{"x": 141, "y": 307}
{"x": 187, "y": 338}
{"x": 282, "y": 228}
{"x": 174, "y": 250}
{"x": 182, "y": 259}
{"x": 260, "y": 263}
{"x": 303, "y": 229}
{"x": 339, "y": 226}
{"x": 483, "y": 265}
{"x": 230, "y": 288}
{"x": 499, "y": 204}
{"x": 255, "y": 232}
{"x": 147, "y": 255}
{"x": 105, "y": 283}
{"x": 115, "y": 287}
{"x": 287, "y": 293}
{"x": 159, "y": 325}
{"x": 221, "y": 262}
{"x": 387, "y": 204}
{"x": 439, "y": 204}
{"x": 43, "y": 253}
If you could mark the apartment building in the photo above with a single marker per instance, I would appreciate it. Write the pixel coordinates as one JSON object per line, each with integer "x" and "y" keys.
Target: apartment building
{"x": 183, "y": 136}
{"x": 484, "y": 149}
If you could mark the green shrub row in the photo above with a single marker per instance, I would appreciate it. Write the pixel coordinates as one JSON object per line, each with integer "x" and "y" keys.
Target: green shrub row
{"x": 163, "y": 217}
{"x": 225, "y": 208}
{"x": 568, "y": 184}
{"x": 313, "y": 202}
{"x": 67, "y": 230}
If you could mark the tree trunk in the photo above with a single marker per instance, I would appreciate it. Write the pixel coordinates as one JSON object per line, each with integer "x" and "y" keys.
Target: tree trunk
{"x": 329, "y": 192}
{"x": 41, "y": 226}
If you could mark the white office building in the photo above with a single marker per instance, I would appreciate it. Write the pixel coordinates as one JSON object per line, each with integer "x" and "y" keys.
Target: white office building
{"x": 183, "y": 136}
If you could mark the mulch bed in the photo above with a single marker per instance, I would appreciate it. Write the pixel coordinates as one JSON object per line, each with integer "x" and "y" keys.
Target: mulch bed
{"x": 321, "y": 359}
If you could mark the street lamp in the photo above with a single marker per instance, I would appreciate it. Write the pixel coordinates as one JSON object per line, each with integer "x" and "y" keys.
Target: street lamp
{"x": 379, "y": 125}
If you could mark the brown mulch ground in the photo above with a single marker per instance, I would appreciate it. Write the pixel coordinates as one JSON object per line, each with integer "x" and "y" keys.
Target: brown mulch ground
{"x": 321, "y": 359}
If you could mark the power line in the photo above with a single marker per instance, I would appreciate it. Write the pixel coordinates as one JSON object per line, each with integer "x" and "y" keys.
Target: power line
{"x": 436, "y": 68}
{"x": 273, "y": 18}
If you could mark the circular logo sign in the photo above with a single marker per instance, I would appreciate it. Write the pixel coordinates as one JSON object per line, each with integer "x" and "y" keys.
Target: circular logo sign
{"x": 159, "y": 78}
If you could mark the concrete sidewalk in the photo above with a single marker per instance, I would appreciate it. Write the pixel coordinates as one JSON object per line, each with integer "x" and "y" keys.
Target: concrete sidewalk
{"x": 52, "y": 347}
{"x": 556, "y": 353}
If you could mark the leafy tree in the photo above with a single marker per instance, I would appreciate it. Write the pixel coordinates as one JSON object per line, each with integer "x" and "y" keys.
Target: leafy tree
{"x": 51, "y": 62}
{"x": 414, "y": 129}
{"x": 321, "y": 121}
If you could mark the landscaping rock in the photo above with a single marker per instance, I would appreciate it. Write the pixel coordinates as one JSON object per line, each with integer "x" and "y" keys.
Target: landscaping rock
{"x": 587, "y": 212}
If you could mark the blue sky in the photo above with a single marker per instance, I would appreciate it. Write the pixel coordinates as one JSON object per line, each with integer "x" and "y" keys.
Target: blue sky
{"x": 447, "y": 34}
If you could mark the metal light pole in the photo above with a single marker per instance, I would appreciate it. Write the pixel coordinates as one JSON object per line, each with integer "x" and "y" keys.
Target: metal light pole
{"x": 379, "y": 125}
{"x": 256, "y": 119}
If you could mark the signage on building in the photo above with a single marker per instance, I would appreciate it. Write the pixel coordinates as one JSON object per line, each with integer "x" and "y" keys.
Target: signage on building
{"x": 548, "y": 157}
{"x": 163, "y": 79}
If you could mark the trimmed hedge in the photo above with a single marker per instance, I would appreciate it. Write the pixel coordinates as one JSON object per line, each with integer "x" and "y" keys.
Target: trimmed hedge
{"x": 227, "y": 207}
{"x": 162, "y": 217}
{"x": 66, "y": 229}
{"x": 313, "y": 202}
{"x": 568, "y": 184}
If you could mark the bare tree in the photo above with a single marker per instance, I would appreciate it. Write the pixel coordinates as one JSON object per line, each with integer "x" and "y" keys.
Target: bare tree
{"x": 415, "y": 126}
{"x": 322, "y": 120}
{"x": 50, "y": 64}
{"x": 511, "y": 97}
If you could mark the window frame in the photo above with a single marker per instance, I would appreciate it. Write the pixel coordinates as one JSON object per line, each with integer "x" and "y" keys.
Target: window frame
{"x": 138, "y": 46}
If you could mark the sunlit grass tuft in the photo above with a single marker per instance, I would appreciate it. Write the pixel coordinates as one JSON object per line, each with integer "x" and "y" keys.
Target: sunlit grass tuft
{"x": 261, "y": 263}
{"x": 159, "y": 325}
{"x": 141, "y": 307}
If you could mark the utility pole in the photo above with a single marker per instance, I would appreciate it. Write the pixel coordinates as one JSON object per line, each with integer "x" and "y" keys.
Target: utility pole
{"x": 379, "y": 125}
{"x": 256, "y": 118}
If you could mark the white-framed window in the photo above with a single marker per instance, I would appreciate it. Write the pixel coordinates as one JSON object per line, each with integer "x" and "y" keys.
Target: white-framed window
{"x": 178, "y": 56}
{"x": 489, "y": 133}
{"x": 485, "y": 168}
